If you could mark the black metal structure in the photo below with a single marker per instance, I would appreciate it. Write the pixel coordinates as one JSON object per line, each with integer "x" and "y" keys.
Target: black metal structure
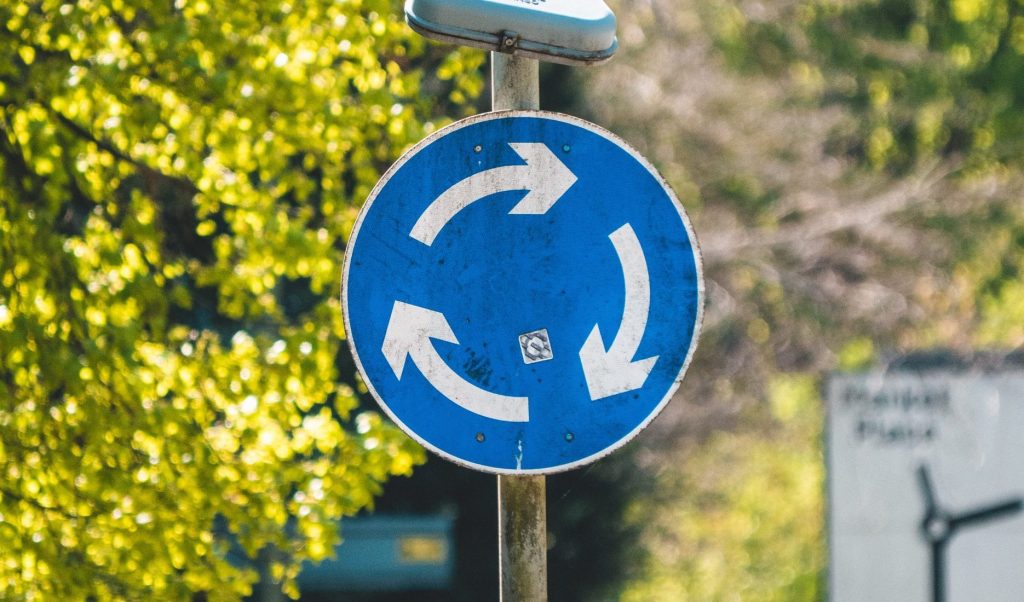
{"x": 939, "y": 526}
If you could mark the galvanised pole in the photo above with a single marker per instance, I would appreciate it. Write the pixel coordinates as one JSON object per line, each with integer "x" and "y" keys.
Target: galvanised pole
{"x": 522, "y": 507}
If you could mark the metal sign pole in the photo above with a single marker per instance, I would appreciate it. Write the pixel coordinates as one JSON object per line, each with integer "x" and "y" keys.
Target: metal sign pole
{"x": 515, "y": 82}
{"x": 522, "y": 539}
{"x": 557, "y": 159}
{"x": 522, "y": 508}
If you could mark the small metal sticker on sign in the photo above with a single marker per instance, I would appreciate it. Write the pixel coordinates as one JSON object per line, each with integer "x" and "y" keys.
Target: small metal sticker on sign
{"x": 536, "y": 346}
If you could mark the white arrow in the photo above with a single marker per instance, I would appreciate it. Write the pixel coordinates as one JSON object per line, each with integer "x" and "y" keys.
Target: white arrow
{"x": 544, "y": 176}
{"x": 408, "y": 335}
{"x": 614, "y": 371}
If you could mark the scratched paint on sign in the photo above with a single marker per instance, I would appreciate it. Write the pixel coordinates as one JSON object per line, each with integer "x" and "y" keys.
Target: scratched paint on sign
{"x": 497, "y": 225}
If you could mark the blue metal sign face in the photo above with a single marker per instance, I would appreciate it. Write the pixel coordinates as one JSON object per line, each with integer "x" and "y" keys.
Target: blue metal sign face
{"x": 522, "y": 292}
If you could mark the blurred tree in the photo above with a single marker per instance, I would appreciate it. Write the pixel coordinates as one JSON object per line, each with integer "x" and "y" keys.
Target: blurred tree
{"x": 739, "y": 519}
{"x": 178, "y": 180}
{"x": 854, "y": 173}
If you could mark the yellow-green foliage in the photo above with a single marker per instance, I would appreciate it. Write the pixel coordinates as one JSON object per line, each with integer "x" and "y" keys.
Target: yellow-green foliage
{"x": 165, "y": 167}
{"x": 994, "y": 269}
{"x": 741, "y": 517}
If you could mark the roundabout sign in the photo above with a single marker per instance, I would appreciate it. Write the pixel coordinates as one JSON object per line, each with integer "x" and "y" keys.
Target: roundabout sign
{"x": 522, "y": 292}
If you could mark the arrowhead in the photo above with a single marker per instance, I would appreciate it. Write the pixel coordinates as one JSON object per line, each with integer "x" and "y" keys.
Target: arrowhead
{"x": 610, "y": 372}
{"x": 548, "y": 178}
{"x": 410, "y": 328}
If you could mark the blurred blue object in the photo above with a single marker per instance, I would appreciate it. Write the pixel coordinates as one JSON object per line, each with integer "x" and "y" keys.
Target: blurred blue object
{"x": 386, "y": 553}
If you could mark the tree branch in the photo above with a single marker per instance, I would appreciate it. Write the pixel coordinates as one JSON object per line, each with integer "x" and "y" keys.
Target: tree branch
{"x": 119, "y": 154}
{"x": 900, "y": 197}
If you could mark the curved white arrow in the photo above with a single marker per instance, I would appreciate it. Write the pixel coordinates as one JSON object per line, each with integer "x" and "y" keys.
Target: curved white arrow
{"x": 408, "y": 335}
{"x": 544, "y": 176}
{"x": 613, "y": 371}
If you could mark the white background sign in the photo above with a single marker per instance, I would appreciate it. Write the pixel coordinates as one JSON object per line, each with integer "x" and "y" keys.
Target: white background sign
{"x": 893, "y": 440}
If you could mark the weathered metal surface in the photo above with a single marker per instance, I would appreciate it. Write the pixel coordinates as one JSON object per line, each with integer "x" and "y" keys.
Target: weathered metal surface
{"x": 514, "y": 83}
{"x": 515, "y": 223}
{"x": 522, "y": 538}
{"x": 522, "y": 501}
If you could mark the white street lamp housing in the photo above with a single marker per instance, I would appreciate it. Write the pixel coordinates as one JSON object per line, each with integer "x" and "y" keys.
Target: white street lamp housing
{"x": 571, "y": 32}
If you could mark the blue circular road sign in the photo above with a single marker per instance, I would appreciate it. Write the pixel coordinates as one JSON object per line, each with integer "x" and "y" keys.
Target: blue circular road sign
{"x": 522, "y": 292}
